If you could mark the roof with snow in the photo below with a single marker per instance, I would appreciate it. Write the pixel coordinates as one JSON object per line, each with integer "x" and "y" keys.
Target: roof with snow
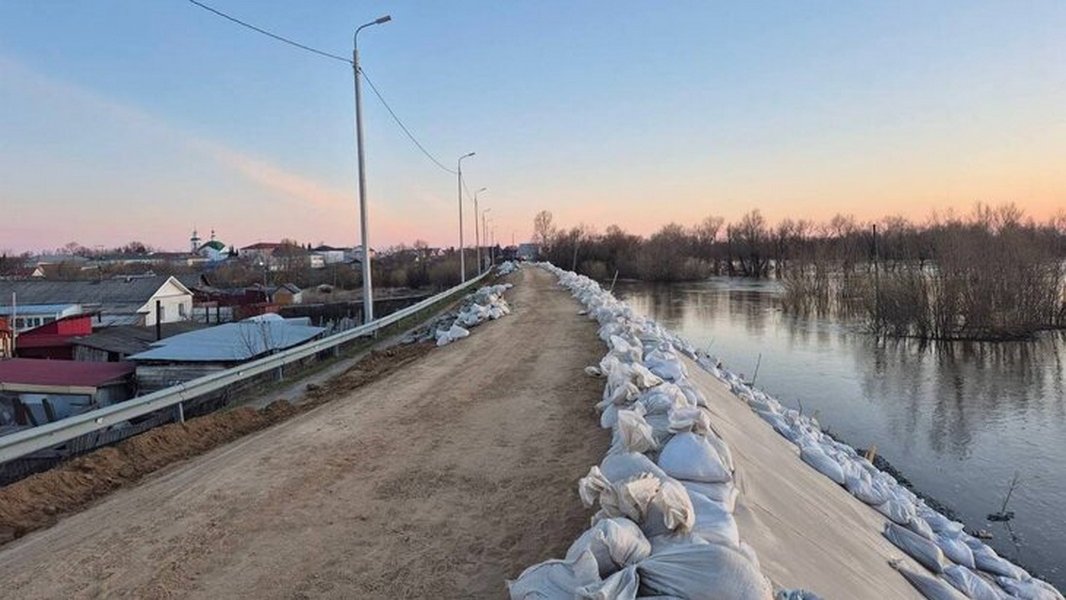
{"x": 232, "y": 342}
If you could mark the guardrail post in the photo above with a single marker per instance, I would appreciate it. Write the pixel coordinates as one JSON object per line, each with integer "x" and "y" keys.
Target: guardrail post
{"x": 181, "y": 412}
{"x": 279, "y": 373}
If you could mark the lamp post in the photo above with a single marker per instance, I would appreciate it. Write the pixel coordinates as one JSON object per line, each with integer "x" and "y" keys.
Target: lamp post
{"x": 477, "y": 238}
{"x": 485, "y": 230}
{"x": 462, "y": 250}
{"x": 368, "y": 296}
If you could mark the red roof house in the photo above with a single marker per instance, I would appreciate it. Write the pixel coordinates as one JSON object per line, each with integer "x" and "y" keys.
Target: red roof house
{"x": 54, "y": 340}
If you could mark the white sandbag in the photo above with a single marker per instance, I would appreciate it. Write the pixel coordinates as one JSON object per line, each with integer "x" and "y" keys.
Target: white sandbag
{"x": 985, "y": 559}
{"x": 939, "y": 522}
{"x": 635, "y": 433}
{"x": 917, "y": 547}
{"x": 862, "y": 486}
{"x": 643, "y": 378}
{"x": 691, "y": 457}
{"x": 702, "y": 572}
{"x": 823, "y": 463}
{"x": 623, "y": 585}
{"x": 672, "y": 508}
{"x": 693, "y": 394}
{"x": 930, "y": 587}
{"x": 898, "y": 510}
{"x": 609, "y": 416}
{"x": 723, "y": 493}
{"x": 1030, "y": 589}
{"x": 555, "y": 579}
{"x": 796, "y": 595}
{"x": 662, "y": 399}
{"x": 971, "y": 584}
{"x": 919, "y": 526}
{"x": 615, "y": 542}
{"x": 668, "y": 368}
{"x": 591, "y": 486}
{"x": 619, "y": 467}
{"x": 956, "y": 550}
{"x": 633, "y": 496}
{"x": 688, "y": 418}
{"x": 714, "y": 522}
{"x": 592, "y": 371}
{"x": 722, "y": 448}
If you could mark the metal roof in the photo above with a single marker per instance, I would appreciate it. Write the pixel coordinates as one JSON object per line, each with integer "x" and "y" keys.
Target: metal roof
{"x": 126, "y": 339}
{"x": 232, "y": 342}
{"x": 33, "y": 371}
{"x": 34, "y": 309}
{"x": 127, "y": 290}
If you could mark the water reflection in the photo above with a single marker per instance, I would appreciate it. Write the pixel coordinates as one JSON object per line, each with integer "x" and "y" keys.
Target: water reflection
{"x": 958, "y": 418}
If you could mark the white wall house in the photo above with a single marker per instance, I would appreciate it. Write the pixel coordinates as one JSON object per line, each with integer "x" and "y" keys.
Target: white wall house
{"x": 175, "y": 303}
{"x": 29, "y": 316}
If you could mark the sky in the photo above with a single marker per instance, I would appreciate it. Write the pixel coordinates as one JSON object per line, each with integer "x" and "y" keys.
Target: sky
{"x": 144, "y": 119}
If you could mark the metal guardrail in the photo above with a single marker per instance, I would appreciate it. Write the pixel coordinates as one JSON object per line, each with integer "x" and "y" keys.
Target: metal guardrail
{"x": 26, "y": 442}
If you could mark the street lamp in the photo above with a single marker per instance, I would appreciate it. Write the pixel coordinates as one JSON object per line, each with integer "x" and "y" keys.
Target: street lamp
{"x": 477, "y": 238}
{"x": 368, "y": 296}
{"x": 462, "y": 252}
{"x": 484, "y": 231}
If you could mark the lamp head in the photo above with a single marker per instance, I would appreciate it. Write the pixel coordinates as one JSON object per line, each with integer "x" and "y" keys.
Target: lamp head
{"x": 381, "y": 20}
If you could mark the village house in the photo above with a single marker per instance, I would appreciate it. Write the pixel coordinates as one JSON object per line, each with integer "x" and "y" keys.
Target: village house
{"x": 118, "y": 301}
{"x": 115, "y": 344}
{"x": 28, "y": 316}
{"x": 54, "y": 340}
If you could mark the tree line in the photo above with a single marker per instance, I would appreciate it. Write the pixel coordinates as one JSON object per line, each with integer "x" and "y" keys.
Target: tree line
{"x": 993, "y": 273}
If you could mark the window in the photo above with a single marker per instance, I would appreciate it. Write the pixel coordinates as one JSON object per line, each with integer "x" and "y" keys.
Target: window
{"x": 181, "y": 311}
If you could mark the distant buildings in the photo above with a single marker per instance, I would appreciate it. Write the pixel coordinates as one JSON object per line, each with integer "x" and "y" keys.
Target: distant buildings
{"x": 28, "y": 316}
{"x": 54, "y": 340}
{"x": 528, "y": 251}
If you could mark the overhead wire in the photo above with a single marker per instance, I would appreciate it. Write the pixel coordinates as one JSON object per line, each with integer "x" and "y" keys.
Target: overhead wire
{"x": 399, "y": 122}
{"x": 270, "y": 34}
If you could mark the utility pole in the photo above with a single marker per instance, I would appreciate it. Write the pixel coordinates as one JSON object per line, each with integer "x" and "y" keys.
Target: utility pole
{"x": 484, "y": 235}
{"x": 477, "y": 238}
{"x": 462, "y": 250}
{"x": 368, "y": 295}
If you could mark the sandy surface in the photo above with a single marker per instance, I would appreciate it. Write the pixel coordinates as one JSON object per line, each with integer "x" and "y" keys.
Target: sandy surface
{"x": 439, "y": 480}
{"x": 808, "y": 532}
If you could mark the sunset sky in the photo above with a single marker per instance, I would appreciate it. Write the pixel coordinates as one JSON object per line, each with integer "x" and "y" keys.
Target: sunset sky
{"x": 123, "y": 119}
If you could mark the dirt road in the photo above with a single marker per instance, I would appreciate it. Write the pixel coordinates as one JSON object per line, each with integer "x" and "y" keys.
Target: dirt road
{"x": 440, "y": 480}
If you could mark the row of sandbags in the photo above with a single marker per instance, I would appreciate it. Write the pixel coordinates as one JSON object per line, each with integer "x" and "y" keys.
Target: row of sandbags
{"x": 959, "y": 565}
{"x": 485, "y": 304}
{"x": 664, "y": 492}
{"x": 507, "y": 267}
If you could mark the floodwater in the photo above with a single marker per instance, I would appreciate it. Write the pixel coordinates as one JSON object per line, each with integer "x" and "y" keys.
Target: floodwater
{"x": 957, "y": 419}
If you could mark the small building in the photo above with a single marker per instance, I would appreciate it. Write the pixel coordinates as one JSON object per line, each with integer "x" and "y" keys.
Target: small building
{"x": 528, "y": 251}
{"x": 190, "y": 355}
{"x": 54, "y": 340}
{"x": 34, "y": 392}
{"x": 119, "y": 301}
{"x": 261, "y": 252}
{"x": 30, "y": 316}
{"x": 116, "y": 344}
{"x": 329, "y": 254}
{"x": 286, "y": 294}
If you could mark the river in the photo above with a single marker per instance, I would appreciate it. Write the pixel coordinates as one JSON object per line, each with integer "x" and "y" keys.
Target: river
{"x": 958, "y": 419}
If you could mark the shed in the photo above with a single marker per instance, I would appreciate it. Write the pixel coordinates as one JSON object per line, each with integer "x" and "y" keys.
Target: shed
{"x": 35, "y": 391}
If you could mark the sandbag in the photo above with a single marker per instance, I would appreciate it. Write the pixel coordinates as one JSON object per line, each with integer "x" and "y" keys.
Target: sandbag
{"x": 672, "y": 507}
{"x": 862, "y": 486}
{"x": 917, "y": 547}
{"x": 971, "y": 584}
{"x": 796, "y": 595}
{"x": 688, "y": 418}
{"x": 930, "y": 587}
{"x": 898, "y": 510}
{"x": 555, "y": 579}
{"x": 633, "y": 496}
{"x": 691, "y": 457}
{"x": 919, "y": 526}
{"x": 1030, "y": 589}
{"x": 634, "y": 432}
{"x": 823, "y": 463}
{"x": 618, "y": 467}
{"x": 985, "y": 559}
{"x": 956, "y": 550}
{"x": 723, "y": 493}
{"x": 702, "y": 572}
{"x": 663, "y": 399}
{"x": 614, "y": 542}
{"x": 623, "y": 585}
